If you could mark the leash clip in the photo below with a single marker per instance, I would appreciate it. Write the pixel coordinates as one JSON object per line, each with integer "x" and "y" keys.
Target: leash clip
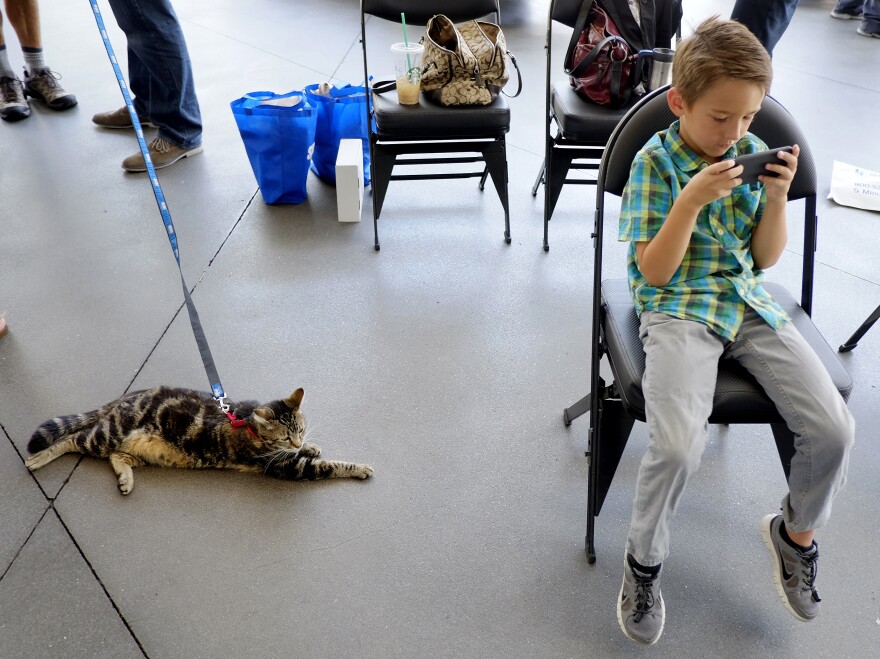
{"x": 224, "y": 406}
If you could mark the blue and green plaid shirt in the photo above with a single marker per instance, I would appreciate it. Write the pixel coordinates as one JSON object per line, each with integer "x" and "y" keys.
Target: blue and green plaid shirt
{"x": 717, "y": 277}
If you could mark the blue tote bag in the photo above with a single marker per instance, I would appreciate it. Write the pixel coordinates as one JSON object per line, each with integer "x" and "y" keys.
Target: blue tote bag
{"x": 278, "y": 131}
{"x": 341, "y": 115}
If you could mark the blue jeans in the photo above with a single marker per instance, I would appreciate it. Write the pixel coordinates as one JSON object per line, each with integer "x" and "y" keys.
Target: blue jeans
{"x": 766, "y": 19}
{"x": 159, "y": 69}
{"x": 870, "y": 8}
{"x": 681, "y": 369}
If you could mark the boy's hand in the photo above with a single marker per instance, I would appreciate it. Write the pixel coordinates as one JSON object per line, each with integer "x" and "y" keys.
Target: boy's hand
{"x": 714, "y": 182}
{"x": 777, "y": 186}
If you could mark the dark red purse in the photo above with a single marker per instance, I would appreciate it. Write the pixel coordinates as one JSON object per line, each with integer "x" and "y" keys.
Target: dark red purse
{"x": 599, "y": 62}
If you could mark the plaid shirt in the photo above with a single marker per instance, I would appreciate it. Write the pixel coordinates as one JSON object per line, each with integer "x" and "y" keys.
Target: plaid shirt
{"x": 717, "y": 276}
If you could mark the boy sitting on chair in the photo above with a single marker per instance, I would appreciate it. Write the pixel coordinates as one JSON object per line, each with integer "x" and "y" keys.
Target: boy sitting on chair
{"x": 699, "y": 240}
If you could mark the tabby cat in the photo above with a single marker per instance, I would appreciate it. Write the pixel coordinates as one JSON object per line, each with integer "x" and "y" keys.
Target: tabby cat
{"x": 186, "y": 428}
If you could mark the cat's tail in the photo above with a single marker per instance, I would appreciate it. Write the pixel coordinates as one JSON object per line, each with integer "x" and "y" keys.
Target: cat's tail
{"x": 52, "y": 430}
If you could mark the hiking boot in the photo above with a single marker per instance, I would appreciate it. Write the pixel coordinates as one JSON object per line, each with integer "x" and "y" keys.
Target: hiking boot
{"x": 13, "y": 104}
{"x": 120, "y": 119}
{"x": 869, "y": 29}
{"x": 43, "y": 84}
{"x": 162, "y": 153}
{"x": 847, "y": 9}
{"x": 641, "y": 612}
{"x": 794, "y": 570}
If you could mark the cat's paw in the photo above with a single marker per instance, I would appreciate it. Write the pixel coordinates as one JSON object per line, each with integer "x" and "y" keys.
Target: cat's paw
{"x": 363, "y": 472}
{"x": 126, "y": 483}
{"x": 309, "y": 451}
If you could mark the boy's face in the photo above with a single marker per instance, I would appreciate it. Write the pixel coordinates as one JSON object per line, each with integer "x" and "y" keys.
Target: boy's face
{"x": 719, "y": 118}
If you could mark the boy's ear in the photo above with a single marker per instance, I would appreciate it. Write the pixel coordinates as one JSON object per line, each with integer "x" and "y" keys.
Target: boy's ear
{"x": 675, "y": 101}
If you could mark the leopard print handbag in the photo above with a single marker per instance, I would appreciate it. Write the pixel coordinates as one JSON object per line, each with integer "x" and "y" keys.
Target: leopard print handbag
{"x": 465, "y": 64}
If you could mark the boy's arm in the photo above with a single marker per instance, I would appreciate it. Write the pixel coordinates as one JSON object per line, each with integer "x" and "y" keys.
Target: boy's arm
{"x": 771, "y": 234}
{"x": 660, "y": 257}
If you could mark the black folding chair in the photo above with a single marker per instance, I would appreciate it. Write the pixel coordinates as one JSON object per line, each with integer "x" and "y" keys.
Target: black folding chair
{"x": 583, "y": 128}
{"x": 615, "y": 407}
{"x": 427, "y": 128}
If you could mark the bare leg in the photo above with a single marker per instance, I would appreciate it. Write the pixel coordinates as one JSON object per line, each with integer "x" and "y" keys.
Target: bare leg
{"x": 24, "y": 16}
{"x": 804, "y": 538}
{"x": 122, "y": 464}
{"x": 56, "y": 450}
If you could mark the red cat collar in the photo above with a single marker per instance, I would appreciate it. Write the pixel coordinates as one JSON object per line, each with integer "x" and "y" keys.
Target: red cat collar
{"x": 235, "y": 422}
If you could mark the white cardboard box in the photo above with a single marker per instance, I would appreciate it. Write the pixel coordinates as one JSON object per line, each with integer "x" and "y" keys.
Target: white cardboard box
{"x": 350, "y": 180}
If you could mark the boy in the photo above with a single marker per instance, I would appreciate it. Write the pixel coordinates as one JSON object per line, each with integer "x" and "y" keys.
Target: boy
{"x": 698, "y": 242}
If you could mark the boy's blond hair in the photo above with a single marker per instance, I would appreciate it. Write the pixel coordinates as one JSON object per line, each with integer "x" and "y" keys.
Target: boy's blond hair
{"x": 719, "y": 49}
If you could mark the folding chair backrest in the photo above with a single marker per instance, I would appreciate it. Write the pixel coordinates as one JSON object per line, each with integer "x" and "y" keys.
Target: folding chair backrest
{"x": 565, "y": 11}
{"x": 418, "y": 12}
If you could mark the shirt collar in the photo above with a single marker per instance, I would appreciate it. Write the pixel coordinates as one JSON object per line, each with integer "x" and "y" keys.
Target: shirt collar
{"x": 685, "y": 158}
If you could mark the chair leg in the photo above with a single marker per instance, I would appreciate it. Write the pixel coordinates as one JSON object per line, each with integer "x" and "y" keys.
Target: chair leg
{"x": 539, "y": 180}
{"x": 556, "y": 171}
{"x": 382, "y": 165}
{"x": 483, "y": 178}
{"x": 606, "y": 448}
{"x": 784, "y": 445}
{"x": 495, "y": 155}
{"x": 859, "y": 333}
{"x": 571, "y": 413}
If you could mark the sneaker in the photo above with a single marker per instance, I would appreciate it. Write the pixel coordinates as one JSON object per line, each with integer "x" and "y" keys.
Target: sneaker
{"x": 120, "y": 119}
{"x": 641, "y": 612}
{"x": 847, "y": 9}
{"x": 162, "y": 153}
{"x": 43, "y": 84}
{"x": 794, "y": 571}
{"x": 869, "y": 29}
{"x": 13, "y": 103}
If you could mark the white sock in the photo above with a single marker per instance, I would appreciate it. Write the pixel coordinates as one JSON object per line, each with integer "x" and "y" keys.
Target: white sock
{"x": 33, "y": 59}
{"x": 6, "y": 70}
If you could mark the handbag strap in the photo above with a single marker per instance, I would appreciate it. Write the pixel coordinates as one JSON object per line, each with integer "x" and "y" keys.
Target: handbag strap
{"x": 597, "y": 50}
{"x": 579, "y": 26}
{"x": 518, "y": 77}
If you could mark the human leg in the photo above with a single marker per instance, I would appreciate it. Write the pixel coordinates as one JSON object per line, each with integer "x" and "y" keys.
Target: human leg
{"x": 679, "y": 385}
{"x": 794, "y": 378}
{"x": 160, "y": 73}
{"x": 766, "y": 19}
{"x": 870, "y": 26}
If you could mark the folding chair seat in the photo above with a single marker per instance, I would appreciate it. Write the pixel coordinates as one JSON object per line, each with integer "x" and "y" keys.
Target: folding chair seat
{"x": 615, "y": 407}
{"x": 583, "y": 128}
{"x": 400, "y": 131}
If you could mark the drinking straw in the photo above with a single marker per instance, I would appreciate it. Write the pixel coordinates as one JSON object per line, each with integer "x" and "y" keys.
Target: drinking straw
{"x": 405, "y": 43}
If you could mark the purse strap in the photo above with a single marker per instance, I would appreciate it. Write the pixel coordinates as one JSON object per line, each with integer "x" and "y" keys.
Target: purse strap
{"x": 584, "y": 64}
{"x": 579, "y": 26}
{"x": 518, "y": 77}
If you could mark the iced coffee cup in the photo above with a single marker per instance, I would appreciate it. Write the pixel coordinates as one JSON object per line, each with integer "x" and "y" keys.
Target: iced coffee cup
{"x": 408, "y": 71}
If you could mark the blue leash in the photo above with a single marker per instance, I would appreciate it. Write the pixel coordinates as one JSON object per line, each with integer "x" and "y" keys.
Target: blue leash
{"x": 201, "y": 341}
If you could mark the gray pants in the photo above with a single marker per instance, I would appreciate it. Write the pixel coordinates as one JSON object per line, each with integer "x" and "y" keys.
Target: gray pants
{"x": 679, "y": 384}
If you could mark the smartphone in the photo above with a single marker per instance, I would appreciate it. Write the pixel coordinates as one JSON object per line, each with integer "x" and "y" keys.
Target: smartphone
{"x": 754, "y": 164}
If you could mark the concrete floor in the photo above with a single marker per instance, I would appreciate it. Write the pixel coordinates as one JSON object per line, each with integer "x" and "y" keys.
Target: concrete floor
{"x": 444, "y": 360}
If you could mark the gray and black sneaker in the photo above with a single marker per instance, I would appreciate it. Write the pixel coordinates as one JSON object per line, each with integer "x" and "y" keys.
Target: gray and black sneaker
{"x": 43, "y": 84}
{"x": 794, "y": 571}
{"x": 641, "y": 612}
{"x": 13, "y": 104}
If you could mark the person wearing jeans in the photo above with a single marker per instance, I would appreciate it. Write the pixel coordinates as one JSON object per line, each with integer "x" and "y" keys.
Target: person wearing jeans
{"x": 160, "y": 79}
{"x": 766, "y": 19}
{"x": 868, "y": 11}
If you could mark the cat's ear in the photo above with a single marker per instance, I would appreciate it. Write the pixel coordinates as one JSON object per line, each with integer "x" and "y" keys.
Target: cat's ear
{"x": 295, "y": 399}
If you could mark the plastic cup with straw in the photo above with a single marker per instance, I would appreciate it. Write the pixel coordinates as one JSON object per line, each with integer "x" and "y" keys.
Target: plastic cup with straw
{"x": 407, "y": 68}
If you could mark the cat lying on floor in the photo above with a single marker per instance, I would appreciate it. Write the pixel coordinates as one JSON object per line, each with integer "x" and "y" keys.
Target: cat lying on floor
{"x": 186, "y": 428}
